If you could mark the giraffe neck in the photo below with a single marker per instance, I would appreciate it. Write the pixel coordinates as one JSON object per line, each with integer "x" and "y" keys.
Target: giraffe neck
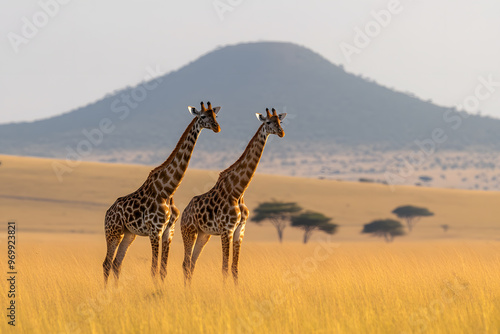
{"x": 240, "y": 174}
{"x": 166, "y": 178}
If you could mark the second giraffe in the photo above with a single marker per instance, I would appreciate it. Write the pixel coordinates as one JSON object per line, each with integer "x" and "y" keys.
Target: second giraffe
{"x": 222, "y": 211}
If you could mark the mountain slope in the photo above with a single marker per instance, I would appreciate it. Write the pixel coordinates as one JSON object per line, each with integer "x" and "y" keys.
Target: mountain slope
{"x": 328, "y": 108}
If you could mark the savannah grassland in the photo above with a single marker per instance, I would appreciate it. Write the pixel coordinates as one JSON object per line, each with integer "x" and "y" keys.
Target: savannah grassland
{"x": 426, "y": 282}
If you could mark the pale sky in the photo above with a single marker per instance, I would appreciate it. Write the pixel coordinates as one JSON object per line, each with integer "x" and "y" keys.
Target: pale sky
{"x": 440, "y": 50}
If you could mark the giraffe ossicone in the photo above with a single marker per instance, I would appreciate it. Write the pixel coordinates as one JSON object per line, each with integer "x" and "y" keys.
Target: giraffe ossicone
{"x": 150, "y": 211}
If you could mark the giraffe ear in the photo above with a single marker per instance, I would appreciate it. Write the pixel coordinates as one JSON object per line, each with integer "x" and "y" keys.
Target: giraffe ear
{"x": 260, "y": 117}
{"x": 193, "y": 111}
{"x": 282, "y": 116}
{"x": 216, "y": 110}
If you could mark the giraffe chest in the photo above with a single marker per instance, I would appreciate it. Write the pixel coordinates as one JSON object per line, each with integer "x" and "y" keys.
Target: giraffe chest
{"x": 145, "y": 218}
{"x": 213, "y": 219}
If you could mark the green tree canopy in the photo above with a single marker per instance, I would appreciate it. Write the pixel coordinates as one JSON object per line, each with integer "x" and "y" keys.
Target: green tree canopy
{"x": 278, "y": 213}
{"x": 411, "y": 214}
{"x": 387, "y": 228}
{"x": 310, "y": 221}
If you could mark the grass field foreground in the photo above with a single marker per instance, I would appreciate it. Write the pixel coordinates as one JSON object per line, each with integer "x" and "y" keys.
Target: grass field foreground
{"x": 412, "y": 287}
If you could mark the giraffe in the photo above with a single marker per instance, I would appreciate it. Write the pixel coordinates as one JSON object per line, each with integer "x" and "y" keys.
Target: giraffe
{"x": 150, "y": 210}
{"x": 222, "y": 210}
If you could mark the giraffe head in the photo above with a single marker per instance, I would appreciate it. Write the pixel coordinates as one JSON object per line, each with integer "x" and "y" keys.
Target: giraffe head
{"x": 272, "y": 122}
{"x": 206, "y": 116}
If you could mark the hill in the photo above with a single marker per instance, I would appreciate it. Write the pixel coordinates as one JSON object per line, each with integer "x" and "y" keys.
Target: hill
{"x": 328, "y": 108}
{"x": 339, "y": 126}
{"x": 32, "y": 195}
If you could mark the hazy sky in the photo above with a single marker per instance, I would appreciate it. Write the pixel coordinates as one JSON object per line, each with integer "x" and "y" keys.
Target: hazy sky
{"x": 437, "y": 49}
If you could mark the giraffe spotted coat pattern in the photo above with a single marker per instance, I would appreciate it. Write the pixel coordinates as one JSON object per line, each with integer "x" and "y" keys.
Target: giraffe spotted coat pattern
{"x": 222, "y": 210}
{"x": 150, "y": 211}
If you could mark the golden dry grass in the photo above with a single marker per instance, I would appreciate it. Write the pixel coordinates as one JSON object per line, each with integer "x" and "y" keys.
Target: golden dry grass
{"x": 412, "y": 287}
{"x": 427, "y": 282}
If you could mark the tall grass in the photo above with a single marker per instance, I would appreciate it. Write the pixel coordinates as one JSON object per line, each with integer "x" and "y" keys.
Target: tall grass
{"x": 437, "y": 287}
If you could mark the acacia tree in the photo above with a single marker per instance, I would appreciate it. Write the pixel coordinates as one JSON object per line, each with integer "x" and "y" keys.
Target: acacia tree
{"x": 387, "y": 228}
{"x": 310, "y": 221}
{"x": 445, "y": 227}
{"x": 411, "y": 214}
{"x": 278, "y": 213}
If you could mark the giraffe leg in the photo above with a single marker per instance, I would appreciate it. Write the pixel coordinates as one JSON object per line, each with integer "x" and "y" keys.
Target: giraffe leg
{"x": 155, "y": 248}
{"x": 238, "y": 239}
{"x": 189, "y": 235}
{"x": 127, "y": 240}
{"x": 201, "y": 241}
{"x": 112, "y": 242}
{"x": 166, "y": 239}
{"x": 226, "y": 238}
